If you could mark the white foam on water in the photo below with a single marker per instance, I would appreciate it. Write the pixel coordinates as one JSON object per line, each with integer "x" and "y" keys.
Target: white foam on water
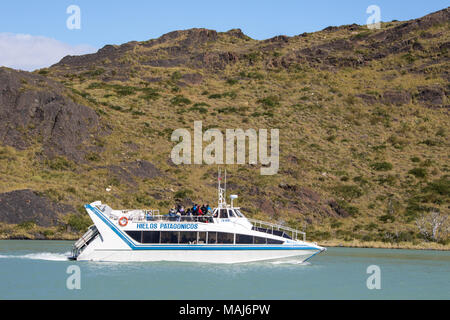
{"x": 47, "y": 256}
{"x": 296, "y": 262}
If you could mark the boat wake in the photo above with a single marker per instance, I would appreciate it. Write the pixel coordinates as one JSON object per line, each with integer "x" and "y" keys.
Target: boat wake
{"x": 46, "y": 256}
{"x": 293, "y": 262}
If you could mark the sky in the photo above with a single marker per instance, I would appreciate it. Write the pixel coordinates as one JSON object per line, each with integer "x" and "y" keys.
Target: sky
{"x": 35, "y": 34}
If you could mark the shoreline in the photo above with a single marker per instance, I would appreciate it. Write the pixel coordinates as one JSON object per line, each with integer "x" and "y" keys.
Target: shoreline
{"x": 430, "y": 246}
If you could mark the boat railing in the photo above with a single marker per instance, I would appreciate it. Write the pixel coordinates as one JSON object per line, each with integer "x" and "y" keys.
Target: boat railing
{"x": 147, "y": 217}
{"x": 277, "y": 229}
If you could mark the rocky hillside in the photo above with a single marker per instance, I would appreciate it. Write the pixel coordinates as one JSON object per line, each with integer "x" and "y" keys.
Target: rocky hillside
{"x": 363, "y": 118}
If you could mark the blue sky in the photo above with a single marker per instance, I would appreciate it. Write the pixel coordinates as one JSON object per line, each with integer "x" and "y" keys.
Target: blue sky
{"x": 116, "y": 22}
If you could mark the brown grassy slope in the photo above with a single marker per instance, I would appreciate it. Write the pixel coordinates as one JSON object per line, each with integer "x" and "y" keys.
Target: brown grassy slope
{"x": 363, "y": 119}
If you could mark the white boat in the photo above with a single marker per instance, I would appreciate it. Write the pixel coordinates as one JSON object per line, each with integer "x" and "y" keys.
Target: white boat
{"x": 225, "y": 236}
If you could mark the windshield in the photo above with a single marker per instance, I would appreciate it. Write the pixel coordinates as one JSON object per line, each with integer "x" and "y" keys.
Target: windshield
{"x": 239, "y": 213}
{"x": 223, "y": 214}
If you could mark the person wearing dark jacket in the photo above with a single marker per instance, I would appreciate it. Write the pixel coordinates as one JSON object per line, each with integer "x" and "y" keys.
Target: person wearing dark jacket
{"x": 204, "y": 209}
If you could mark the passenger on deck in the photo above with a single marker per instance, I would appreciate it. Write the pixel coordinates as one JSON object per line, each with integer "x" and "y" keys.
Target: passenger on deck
{"x": 204, "y": 209}
{"x": 172, "y": 214}
{"x": 189, "y": 214}
{"x": 195, "y": 210}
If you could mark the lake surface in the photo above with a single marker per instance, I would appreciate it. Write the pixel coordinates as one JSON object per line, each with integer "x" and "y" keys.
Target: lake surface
{"x": 38, "y": 270}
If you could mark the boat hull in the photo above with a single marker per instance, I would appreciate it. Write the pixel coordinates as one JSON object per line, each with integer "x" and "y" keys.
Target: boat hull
{"x": 210, "y": 255}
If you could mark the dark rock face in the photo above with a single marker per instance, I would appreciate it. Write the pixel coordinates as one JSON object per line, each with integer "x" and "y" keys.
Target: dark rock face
{"x": 127, "y": 172}
{"x": 396, "y": 97}
{"x": 307, "y": 200}
{"x": 25, "y": 205}
{"x": 338, "y": 209}
{"x": 192, "y": 78}
{"x": 431, "y": 96}
{"x": 33, "y": 108}
{"x": 368, "y": 98}
{"x": 143, "y": 169}
{"x": 182, "y": 47}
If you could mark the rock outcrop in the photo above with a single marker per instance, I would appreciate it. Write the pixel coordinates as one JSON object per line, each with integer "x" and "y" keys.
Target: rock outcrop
{"x": 27, "y": 206}
{"x": 36, "y": 109}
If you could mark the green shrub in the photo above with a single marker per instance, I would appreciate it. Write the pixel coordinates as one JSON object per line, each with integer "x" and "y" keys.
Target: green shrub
{"x": 387, "y": 218}
{"x": 183, "y": 194}
{"x": 232, "y": 82}
{"x": 381, "y": 166}
{"x": 441, "y": 132}
{"x": 350, "y": 99}
{"x": 387, "y": 179}
{"x": 215, "y": 96}
{"x": 348, "y": 192}
{"x": 137, "y": 113}
{"x": 144, "y": 199}
{"x": 92, "y": 156}
{"x": 27, "y": 225}
{"x": 431, "y": 143}
{"x": 117, "y": 108}
{"x": 94, "y": 73}
{"x": 371, "y": 226}
{"x": 336, "y": 225}
{"x": 418, "y": 172}
{"x": 270, "y": 102}
{"x": 175, "y": 76}
{"x": 150, "y": 94}
{"x": 197, "y": 107}
{"x": 441, "y": 186}
{"x": 79, "y": 222}
{"x": 60, "y": 164}
{"x": 180, "y": 100}
{"x": 125, "y": 91}
{"x": 409, "y": 58}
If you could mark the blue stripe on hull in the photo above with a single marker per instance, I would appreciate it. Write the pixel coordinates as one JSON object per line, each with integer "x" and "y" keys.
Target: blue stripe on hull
{"x": 133, "y": 246}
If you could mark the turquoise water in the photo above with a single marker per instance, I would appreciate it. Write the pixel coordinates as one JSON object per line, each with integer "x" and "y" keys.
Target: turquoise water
{"x": 38, "y": 270}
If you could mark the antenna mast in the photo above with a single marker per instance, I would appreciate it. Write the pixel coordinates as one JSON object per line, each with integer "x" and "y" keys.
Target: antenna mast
{"x": 221, "y": 192}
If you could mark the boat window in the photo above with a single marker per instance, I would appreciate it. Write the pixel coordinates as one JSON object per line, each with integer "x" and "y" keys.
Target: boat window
{"x": 212, "y": 237}
{"x": 151, "y": 237}
{"x": 223, "y": 237}
{"x": 223, "y": 214}
{"x": 244, "y": 239}
{"x": 201, "y": 237}
{"x": 188, "y": 237}
{"x": 259, "y": 240}
{"x": 135, "y": 235}
{"x": 231, "y": 213}
{"x": 169, "y": 236}
{"x": 278, "y": 233}
{"x": 272, "y": 241}
{"x": 216, "y": 213}
{"x": 239, "y": 213}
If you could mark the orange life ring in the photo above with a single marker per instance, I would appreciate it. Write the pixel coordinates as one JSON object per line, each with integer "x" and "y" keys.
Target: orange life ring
{"x": 123, "y": 221}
